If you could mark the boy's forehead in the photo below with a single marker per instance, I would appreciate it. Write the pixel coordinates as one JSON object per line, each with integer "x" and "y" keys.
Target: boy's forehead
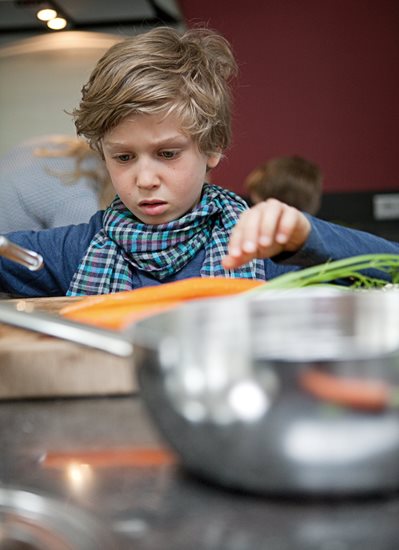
{"x": 143, "y": 126}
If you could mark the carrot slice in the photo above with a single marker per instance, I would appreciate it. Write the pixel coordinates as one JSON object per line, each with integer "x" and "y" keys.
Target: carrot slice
{"x": 351, "y": 392}
{"x": 118, "y": 310}
{"x": 140, "y": 457}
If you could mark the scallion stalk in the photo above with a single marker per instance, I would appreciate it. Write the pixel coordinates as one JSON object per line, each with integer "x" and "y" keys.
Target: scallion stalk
{"x": 330, "y": 272}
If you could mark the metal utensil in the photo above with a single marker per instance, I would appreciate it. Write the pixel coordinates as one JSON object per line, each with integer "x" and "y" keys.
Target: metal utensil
{"x": 86, "y": 335}
{"x": 32, "y": 521}
{"x": 223, "y": 381}
{"x": 32, "y": 260}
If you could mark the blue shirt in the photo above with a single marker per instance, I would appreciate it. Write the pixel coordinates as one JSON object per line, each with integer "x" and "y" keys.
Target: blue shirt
{"x": 63, "y": 248}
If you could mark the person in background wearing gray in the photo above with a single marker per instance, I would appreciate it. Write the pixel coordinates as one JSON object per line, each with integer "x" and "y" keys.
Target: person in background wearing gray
{"x": 293, "y": 180}
{"x": 51, "y": 181}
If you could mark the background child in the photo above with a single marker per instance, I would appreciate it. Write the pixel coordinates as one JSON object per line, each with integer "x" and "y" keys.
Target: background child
{"x": 290, "y": 179}
{"x": 157, "y": 109}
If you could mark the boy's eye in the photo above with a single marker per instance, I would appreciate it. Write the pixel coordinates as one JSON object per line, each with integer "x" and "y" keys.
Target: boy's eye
{"x": 123, "y": 158}
{"x": 168, "y": 155}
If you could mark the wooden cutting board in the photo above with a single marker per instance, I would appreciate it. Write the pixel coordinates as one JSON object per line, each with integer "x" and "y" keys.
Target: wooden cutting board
{"x": 35, "y": 365}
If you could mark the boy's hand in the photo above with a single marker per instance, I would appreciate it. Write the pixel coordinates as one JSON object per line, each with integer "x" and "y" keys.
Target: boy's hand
{"x": 265, "y": 230}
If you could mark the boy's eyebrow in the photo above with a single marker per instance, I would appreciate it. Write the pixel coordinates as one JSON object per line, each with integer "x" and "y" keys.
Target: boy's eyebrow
{"x": 175, "y": 138}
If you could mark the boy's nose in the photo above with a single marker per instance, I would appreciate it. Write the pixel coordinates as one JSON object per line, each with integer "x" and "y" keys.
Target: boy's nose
{"x": 147, "y": 176}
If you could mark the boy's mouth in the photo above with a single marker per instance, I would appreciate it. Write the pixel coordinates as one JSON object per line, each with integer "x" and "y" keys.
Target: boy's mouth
{"x": 153, "y": 207}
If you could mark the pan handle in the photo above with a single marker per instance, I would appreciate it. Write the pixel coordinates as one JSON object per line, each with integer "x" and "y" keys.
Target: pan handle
{"x": 93, "y": 337}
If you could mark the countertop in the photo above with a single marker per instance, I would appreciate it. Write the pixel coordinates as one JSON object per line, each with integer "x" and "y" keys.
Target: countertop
{"x": 88, "y": 452}
{"x": 33, "y": 364}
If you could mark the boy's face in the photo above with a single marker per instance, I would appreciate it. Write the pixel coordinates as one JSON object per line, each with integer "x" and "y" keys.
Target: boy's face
{"x": 157, "y": 171}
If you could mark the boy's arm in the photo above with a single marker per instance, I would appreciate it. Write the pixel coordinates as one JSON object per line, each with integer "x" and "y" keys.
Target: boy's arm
{"x": 308, "y": 240}
{"x": 62, "y": 249}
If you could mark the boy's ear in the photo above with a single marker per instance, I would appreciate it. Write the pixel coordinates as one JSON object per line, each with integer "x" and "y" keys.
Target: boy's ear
{"x": 213, "y": 160}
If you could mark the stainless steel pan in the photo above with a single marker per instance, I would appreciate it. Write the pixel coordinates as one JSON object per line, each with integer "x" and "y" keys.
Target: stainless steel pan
{"x": 292, "y": 393}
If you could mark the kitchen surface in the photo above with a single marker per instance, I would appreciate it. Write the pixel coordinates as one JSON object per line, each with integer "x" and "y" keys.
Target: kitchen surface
{"x": 88, "y": 455}
{"x": 88, "y": 472}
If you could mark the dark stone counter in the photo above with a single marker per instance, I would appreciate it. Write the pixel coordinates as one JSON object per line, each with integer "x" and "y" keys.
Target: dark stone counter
{"x": 156, "y": 506}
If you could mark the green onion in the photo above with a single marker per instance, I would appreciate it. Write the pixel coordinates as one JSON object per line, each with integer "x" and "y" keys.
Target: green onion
{"x": 331, "y": 271}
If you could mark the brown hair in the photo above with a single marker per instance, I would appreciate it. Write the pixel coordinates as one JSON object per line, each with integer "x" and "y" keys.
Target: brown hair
{"x": 162, "y": 71}
{"x": 293, "y": 180}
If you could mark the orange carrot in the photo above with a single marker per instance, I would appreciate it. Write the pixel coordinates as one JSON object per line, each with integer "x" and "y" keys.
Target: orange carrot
{"x": 140, "y": 457}
{"x": 350, "y": 392}
{"x": 116, "y": 311}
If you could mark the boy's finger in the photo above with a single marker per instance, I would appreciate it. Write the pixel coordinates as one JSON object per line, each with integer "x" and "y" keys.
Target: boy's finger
{"x": 253, "y": 236}
{"x": 243, "y": 238}
{"x": 232, "y": 262}
{"x": 293, "y": 230}
{"x": 271, "y": 213}
{"x": 286, "y": 225}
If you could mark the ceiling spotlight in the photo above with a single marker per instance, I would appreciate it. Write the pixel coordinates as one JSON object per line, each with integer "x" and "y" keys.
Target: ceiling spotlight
{"x": 46, "y": 14}
{"x": 57, "y": 23}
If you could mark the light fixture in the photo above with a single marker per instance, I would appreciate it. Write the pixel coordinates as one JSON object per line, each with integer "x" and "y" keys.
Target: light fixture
{"x": 57, "y": 23}
{"x": 46, "y": 14}
{"x": 47, "y": 11}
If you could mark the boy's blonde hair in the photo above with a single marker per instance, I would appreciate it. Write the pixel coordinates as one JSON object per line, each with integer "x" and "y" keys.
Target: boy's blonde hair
{"x": 162, "y": 71}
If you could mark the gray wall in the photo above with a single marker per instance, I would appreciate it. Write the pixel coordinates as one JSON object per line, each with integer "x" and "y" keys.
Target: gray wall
{"x": 41, "y": 77}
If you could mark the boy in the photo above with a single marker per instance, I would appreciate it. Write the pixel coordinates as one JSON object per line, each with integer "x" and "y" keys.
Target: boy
{"x": 157, "y": 108}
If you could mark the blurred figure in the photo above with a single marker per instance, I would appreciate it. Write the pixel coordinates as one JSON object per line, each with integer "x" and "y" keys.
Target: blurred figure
{"x": 51, "y": 181}
{"x": 292, "y": 179}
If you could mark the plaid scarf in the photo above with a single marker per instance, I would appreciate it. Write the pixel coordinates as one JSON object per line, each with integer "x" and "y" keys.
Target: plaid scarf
{"x": 161, "y": 250}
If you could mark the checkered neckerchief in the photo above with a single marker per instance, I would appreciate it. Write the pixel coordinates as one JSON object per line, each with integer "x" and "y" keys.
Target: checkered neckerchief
{"x": 161, "y": 250}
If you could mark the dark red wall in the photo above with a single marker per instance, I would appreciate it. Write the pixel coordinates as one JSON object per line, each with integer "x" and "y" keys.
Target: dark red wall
{"x": 318, "y": 78}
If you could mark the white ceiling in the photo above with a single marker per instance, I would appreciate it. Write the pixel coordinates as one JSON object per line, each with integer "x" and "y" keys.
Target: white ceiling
{"x": 18, "y": 16}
